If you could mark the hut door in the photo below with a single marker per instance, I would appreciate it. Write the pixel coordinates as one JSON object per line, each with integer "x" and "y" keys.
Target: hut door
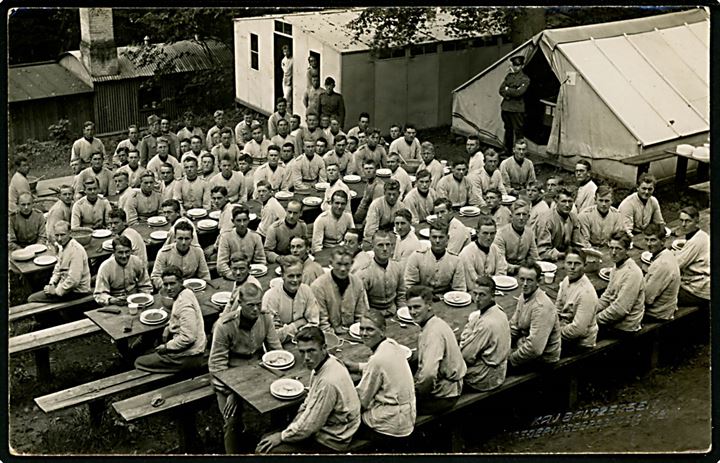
{"x": 279, "y": 42}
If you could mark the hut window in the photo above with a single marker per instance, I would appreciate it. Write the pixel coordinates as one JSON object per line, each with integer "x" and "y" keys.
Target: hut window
{"x": 389, "y": 53}
{"x": 423, "y": 49}
{"x": 149, "y": 97}
{"x": 283, "y": 27}
{"x": 254, "y": 53}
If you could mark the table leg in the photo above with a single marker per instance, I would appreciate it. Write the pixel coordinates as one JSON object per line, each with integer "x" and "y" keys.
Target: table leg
{"x": 42, "y": 364}
{"x": 681, "y": 171}
{"x": 703, "y": 171}
{"x": 186, "y": 429}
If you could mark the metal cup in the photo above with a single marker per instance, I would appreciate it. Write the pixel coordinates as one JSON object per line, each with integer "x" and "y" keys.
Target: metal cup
{"x": 133, "y": 308}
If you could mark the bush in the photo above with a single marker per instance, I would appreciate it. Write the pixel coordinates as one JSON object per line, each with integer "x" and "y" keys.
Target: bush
{"x": 59, "y": 132}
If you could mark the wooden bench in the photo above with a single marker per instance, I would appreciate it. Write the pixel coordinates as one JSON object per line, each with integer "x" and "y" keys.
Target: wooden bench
{"x": 703, "y": 187}
{"x": 35, "y": 308}
{"x": 39, "y": 342}
{"x": 642, "y": 161}
{"x": 94, "y": 392}
{"x": 175, "y": 397}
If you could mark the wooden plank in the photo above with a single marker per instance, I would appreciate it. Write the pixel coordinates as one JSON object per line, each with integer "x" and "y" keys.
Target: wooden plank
{"x": 34, "y": 308}
{"x": 646, "y": 158}
{"x": 46, "y": 337}
{"x": 97, "y": 389}
{"x": 703, "y": 187}
{"x": 175, "y": 395}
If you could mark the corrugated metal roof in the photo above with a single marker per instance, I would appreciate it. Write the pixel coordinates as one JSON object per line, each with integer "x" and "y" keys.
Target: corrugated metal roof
{"x": 34, "y": 82}
{"x": 186, "y": 56}
{"x": 331, "y": 28}
{"x": 656, "y": 81}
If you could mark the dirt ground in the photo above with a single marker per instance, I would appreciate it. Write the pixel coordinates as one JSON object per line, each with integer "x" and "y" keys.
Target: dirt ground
{"x": 675, "y": 415}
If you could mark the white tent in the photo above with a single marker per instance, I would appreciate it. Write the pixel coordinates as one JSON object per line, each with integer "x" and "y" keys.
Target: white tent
{"x": 622, "y": 89}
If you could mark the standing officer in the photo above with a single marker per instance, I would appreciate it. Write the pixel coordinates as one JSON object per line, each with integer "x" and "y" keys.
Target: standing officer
{"x": 512, "y": 108}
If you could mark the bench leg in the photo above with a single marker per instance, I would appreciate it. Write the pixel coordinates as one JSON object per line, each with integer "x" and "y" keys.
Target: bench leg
{"x": 681, "y": 171}
{"x": 96, "y": 408}
{"x": 42, "y": 364}
{"x": 572, "y": 397}
{"x": 655, "y": 352}
{"x": 187, "y": 432}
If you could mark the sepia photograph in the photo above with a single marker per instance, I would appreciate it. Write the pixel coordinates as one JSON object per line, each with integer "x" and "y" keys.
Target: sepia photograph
{"x": 359, "y": 230}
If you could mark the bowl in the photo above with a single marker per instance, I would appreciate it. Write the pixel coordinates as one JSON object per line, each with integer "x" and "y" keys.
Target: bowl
{"x": 82, "y": 235}
{"x": 411, "y": 165}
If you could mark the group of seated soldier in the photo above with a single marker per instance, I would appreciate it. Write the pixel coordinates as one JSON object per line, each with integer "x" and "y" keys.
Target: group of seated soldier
{"x": 378, "y": 264}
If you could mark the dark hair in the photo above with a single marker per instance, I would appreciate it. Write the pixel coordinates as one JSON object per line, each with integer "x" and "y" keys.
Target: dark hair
{"x": 282, "y": 98}
{"x": 494, "y": 191}
{"x": 623, "y": 238}
{"x": 585, "y": 163}
{"x": 566, "y": 191}
{"x": 341, "y": 194}
{"x": 486, "y": 220}
{"x": 117, "y": 213}
{"x": 443, "y": 200}
{"x": 603, "y": 190}
{"x": 422, "y": 174}
{"x": 248, "y": 290}
{"x": 364, "y": 114}
{"x": 532, "y": 265}
{"x": 240, "y": 209}
{"x": 421, "y": 291}
{"x": 311, "y": 333}
{"x": 654, "y": 229}
{"x": 440, "y": 225}
{"x": 172, "y": 270}
{"x": 183, "y": 225}
{"x": 391, "y": 185}
{"x": 647, "y": 178}
{"x": 339, "y": 251}
{"x": 577, "y": 251}
{"x": 322, "y": 139}
{"x": 239, "y": 257}
{"x": 121, "y": 240}
{"x": 691, "y": 211}
{"x": 486, "y": 282}
{"x": 409, "y": 126}
{"x": 219, "y": 189}
{"x": 288, "y": 261}
{"x": 120, "y": 173}
{"x": 274, "y": 147}
{"x": 404, "y": 213}
{"x": 376, "y": 318}
{"x": 368, "y": 162}
{"x": 174, "y": 203}
{"x": 340, "y": 137}
{"x": 329, "y": 81}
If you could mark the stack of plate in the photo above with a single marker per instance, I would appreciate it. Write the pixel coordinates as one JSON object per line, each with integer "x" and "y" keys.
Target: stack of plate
{"x": 508, "y": 199}
{"x": 36, "y": 248}
{"x": 457, "y": 298}
{"x": 593, "y": 252}
{"x": 278, "y": 359}
{"x": 283, "y": 195}
{"x": 383, "y": 172}
{"x": 322, "y": 186}
{"x": 470, "y": 211}
{"x": 604, "y": 273}
{"x": 355, "y": 330}
{"x": 157, "y": 221}
{"x": 107, "y": 245}
{"x": 505, "y": 282}
{"x": 159, "y": 235}
{"x": 685, "y": 149}
{"x": 221, "y": 298}
{"x": 312, "y": 201}
{"x": 431, "y": 218}
{"x": 252, "y": 216}
{"x": 353, "y": 194}
{"x": 646, "y": 257}
{"x": 22, "y": 254}
{"x": 258, "y": 270}
{"x": 352, "y": 179}
{"x": 196, "y": 213}
{"x": 425, "y": 232}
{"x": 287, "y": 389}
{"x": 403, "y": 315}
{"x": 215, "y": 215}
{"x": 141, "y": 299}
{"x": 207, "y": 224}
{"x": 701, "y": 153}
{"x": 44, "y": 260}
{"x": 101, "y": 233}
{"x": 153, "y": 316}
{"x": 195, "y": 284}
{"x": 676, "y": 245}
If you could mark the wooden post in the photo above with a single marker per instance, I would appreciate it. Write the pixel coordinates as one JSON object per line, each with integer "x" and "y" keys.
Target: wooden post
{"x": 42, "y": 364}
{"x": 654, "y": 351}
{"x": 96, "y": 409}
{"x": 185, "y": 419}
{"x": 572, "y": 391}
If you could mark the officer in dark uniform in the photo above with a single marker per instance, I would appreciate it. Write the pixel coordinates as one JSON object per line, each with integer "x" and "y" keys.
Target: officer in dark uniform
{"x": 148, "y": 145}
{"x": 512, "y": 90}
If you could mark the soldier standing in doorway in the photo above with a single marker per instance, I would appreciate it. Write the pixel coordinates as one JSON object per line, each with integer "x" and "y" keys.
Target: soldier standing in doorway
{"x": 512, "y": 108}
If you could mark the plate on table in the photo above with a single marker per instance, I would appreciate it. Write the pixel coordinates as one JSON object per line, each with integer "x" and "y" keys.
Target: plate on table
{"x": 157, "y": 221}
{"x": 207, "y": 224}
{"x": 258, "y": 270}
{"x": 195, "y": 284}
{"x": 505, "y": 282}
{"x": 141, "y": 299}
{"x": 21, "y": 255}
{"x": 197, "y": 213}
{"x": 278, "y": 359}
{"x": 352, "y": 178}
{"x": 278, "y": 270}
{"x": 215, "y": 215}
{"x": 424, "y": 232}
{"x": 36, "y": 248}
{"x": 508, "y": 199}
{"x": 355, "y": 330}
{"x": 457, "y": 298}
{"x": 45, "y": 260}
{"x": 286, "y": 388}
{"x": 431, "y": 218}
{"x": 284, "y": 195}
{"x": 646, "y": 257}
{"x": 353, "y": 194}
{"x": 252, "y": 216}
{"x": 446, "y": 170}
{"x": 312, "y": 201}
{"x": 159, "y": 235}
{"x": 153, "y": 316}
{"x": 593, "y": 252}
{"x": 413, "y": 179}
{"x": 469, "y": 211}
{"x": 403, "y": 314}
{"x": 604, "y": 273}
{"x": 668, "y": 231}
{"x": 678, "y": 244}
{"x": 101, "y": 233}
{"x": 322, "y": 186}
{"x": 547, "y": 267}
{"x": 221, "y": 297}
{"x": 383, "y": 172}
{"x": 107, "y": 245}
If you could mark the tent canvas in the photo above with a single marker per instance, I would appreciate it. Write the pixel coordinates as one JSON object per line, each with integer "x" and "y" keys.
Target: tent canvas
{"x": 625, "y": 87}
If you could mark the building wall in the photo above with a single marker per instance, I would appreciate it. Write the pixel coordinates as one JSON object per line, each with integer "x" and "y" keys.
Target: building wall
{"x": 358, "y": 72}
{"x": 31, "y": 119}
{"x": 254, "y": 87}
{"x": 116, "y": 105}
